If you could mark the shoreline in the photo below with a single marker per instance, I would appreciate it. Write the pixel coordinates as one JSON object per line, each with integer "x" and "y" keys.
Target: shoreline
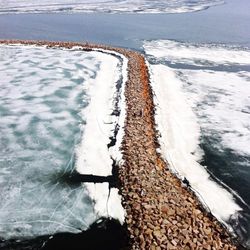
{"x": 161, "y": 211}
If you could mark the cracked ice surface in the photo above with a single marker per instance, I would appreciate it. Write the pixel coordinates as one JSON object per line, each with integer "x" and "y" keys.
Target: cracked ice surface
{"x": 44, "y": 93}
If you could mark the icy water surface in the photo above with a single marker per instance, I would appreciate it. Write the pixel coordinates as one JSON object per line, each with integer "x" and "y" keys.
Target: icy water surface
{"x": 109, "y": 6}
{"x": 44, "y": 93}
{"x": 214, "y": 81}
{"x": 228, "y": 23}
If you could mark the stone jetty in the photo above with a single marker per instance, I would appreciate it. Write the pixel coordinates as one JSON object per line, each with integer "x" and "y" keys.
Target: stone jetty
{"x": 161, "y": 211}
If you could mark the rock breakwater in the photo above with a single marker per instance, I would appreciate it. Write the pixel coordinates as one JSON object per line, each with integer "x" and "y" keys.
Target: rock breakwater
{"x": 161, "y": 212}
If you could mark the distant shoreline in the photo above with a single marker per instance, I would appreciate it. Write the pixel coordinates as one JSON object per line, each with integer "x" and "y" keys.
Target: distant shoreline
{"x": 161, "y": 212}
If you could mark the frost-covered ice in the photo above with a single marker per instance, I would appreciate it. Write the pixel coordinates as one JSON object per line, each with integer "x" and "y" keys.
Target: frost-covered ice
{"x": 109, "y": 6}
{"x": 203, "y": 115}
{"x": 227, "y": 105}
{"x": 197, "y": 54}
{"x": 47, "y": 102}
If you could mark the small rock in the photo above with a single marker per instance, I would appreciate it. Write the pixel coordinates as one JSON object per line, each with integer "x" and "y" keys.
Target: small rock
{"x": 157, "y": 234}
{"x": 164, "y": 209}
{"x": 137, "y": 232}
{"x": 207, "y": 231}
{"x": 171, "y": 212}
{"x": 174, "y": 242}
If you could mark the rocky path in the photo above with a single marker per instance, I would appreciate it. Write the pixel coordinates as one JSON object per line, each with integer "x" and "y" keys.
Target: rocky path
{"x": 161, "y": 212}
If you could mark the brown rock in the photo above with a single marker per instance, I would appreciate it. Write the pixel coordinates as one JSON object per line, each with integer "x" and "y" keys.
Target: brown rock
{"x": 157, "y": 234}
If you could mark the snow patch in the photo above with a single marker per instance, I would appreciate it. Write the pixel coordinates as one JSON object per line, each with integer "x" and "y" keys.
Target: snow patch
{"x": 93, "y": 155}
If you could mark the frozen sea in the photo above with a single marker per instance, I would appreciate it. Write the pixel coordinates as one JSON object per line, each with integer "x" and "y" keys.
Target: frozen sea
{"x": 56, "y": 123}
{"x": 199, "y": 54}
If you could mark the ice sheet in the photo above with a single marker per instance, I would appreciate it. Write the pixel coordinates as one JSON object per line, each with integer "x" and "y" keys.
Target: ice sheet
{"x": 226, "y": 106}
{"x": 197, "y": 54}
{"x": 44, "y": 96}
{"x": 113, "y": 6}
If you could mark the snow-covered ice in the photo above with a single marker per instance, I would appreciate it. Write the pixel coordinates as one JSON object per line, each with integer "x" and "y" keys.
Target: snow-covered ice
{"x": 108, "y": 6}
{"x": 50, "y": 100}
